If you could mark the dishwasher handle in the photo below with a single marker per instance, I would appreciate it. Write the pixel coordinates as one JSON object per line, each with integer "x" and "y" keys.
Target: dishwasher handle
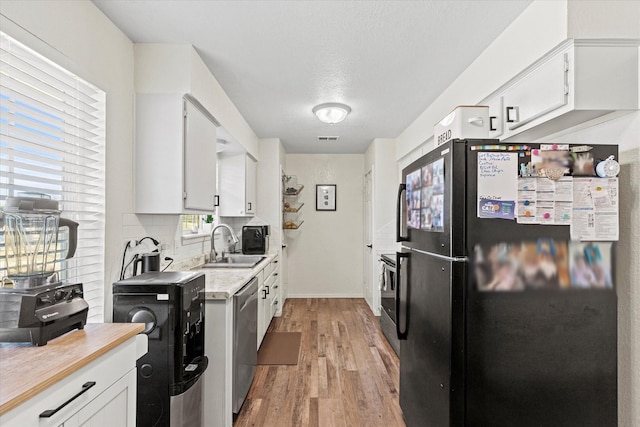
{"x": 247, "y": 291}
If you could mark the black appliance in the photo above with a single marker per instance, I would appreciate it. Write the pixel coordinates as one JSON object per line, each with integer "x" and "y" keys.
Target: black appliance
{"x": 255, "y": 239}
{"x": 538, "y": 355}
{"x": 171, "y": 305}
{"x": 148, "y": 262}
{"x": 388, "y": 300}
{"x": 40, "y": 314}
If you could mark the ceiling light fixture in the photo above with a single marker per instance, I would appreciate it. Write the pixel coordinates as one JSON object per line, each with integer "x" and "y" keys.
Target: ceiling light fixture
{"x": 331, "y": 112}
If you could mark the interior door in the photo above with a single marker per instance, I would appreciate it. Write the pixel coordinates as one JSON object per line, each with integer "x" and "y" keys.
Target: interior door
{"x": 368, "y": 239}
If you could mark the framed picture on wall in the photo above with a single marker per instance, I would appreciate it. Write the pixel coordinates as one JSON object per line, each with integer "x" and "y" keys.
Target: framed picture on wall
{"x": 326, "y": 197}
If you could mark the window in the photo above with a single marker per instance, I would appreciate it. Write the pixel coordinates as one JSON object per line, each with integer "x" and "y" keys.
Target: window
{"x": 52, "y": 141}
{"x": 196, "y": 225}
{"x": 190, "y": 223}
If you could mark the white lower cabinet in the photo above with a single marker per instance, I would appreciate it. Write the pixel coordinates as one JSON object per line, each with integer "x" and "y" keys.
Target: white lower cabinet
{"x": 268, "y": 297}
{"x": 101, "y": 394}
{"x": 108, "y": 409}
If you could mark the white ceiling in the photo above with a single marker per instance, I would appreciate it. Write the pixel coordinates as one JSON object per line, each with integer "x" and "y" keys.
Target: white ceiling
{"x": 388, "y": 60}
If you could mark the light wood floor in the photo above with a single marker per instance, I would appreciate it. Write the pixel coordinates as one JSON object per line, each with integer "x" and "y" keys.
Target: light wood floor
{"x": 347, "y": 373}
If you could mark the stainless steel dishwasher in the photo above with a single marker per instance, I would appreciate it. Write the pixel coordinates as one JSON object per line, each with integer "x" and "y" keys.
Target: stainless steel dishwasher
{"x": 245, "y": 336}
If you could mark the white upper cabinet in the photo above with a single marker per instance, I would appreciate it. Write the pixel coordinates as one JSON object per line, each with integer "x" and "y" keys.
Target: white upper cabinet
{"x": 175, "y": 155}
{"x": 237, "y": 185}
{"x": 540, "y": 92}
{"x": 576, "y": 82}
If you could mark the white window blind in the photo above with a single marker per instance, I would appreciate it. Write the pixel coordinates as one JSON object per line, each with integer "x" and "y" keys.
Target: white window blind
{"x": 52, "y": 141}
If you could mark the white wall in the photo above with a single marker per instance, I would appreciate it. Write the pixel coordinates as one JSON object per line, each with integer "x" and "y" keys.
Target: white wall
{"x": 269, "y": 189}
{"x": 380, "y": 158}
{"x": 326, "y": 253}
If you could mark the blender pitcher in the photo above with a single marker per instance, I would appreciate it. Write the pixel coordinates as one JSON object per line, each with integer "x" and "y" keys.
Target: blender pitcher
{"x": 31, "y": 225}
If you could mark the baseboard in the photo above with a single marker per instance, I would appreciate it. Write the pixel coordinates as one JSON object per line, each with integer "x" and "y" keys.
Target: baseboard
{"x": 290, "y": 295}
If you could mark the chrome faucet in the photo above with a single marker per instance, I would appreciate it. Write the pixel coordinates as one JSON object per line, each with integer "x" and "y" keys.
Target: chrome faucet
{"x": 234, "y": 238}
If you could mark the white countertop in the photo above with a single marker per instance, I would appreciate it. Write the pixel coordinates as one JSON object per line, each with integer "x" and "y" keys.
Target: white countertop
{"x": 222, "y": 283}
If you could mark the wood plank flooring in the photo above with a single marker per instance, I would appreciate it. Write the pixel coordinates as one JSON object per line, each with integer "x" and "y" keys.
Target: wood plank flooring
{"x": 347, "y": 374}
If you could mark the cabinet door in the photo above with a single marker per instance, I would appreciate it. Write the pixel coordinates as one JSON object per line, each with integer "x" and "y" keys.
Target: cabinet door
{"x": 237, "y": 186}
{"x": 251, "y": 172}
{"x": 199, "y": 159}
{"x": 543, "y": 90}
{"x": 262, "y": 298}
{"x": 115, "y": 407}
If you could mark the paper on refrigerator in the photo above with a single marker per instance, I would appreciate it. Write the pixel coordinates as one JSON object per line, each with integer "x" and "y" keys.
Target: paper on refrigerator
{"x": 497, "y": 184}
{"x": 595, "y": 209}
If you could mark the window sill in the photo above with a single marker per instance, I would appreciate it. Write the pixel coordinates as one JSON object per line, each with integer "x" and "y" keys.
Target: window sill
{"x": 200, "y": 236}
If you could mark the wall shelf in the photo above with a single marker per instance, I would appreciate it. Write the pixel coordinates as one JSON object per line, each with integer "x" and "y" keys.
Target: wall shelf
{"x": 290, "y": 204}
{"x": 292, "y": 207}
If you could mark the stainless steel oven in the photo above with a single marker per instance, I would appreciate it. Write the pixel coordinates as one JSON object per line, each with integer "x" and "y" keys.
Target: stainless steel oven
{"x": 388, "y": 300}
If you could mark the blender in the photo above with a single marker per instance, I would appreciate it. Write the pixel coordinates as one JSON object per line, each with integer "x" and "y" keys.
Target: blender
{"x": 31, "y": 224}
{"x": 37, "y": 307}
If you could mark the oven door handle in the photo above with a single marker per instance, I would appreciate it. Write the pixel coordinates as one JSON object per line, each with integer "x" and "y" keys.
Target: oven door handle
{"x": 401, "y": 330}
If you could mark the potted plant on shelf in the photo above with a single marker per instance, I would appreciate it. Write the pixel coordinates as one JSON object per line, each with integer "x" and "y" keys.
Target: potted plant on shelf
{"x": 207, "y": 223}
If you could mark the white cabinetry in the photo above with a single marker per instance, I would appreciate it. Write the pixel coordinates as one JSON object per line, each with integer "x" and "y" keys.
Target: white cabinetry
{"x": 262, "y": 308}
{"x": 269, "y": 296}
{"x": 237, "y": 186}
{"x": 175, "y": 155}
{"x": 102, "y": 393}
{"x": 577, "y": 82}
{"x": 110, "y": 408}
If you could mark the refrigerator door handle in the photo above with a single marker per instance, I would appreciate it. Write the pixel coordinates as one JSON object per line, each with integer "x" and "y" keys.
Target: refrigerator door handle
{"x": 399, "y": 219}
{"x": 402, "y": 334}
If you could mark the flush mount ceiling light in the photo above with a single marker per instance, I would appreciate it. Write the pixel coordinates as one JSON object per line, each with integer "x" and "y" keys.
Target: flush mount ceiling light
{"x": 331, "y": 112}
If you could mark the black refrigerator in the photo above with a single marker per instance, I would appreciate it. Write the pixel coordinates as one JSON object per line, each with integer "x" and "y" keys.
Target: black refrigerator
{"x": 497, "y": 324}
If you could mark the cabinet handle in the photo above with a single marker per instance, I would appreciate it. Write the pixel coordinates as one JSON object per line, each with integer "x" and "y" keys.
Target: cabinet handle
{"x": 267, "y": 290}
{"x": 85, "y": 387}
{"x": 275, "y": 287}
{"x": 216, "y": 200}
{"x": 264, "y": 295}
{"x": 491, "y": 126}
{"x": 370, "y": 246}
{"x": 249, "y": 206}
{"x": 509, "y": 110}
{"x": 275, "y": 274}
{"x": 275, "y": 262}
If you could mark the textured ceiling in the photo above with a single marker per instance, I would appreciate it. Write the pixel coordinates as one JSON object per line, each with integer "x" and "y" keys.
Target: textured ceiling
{"x": 388, "y": 60}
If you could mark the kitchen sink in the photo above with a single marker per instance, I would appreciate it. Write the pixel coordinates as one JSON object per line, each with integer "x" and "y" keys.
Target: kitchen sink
{"x": 236, "y": 261}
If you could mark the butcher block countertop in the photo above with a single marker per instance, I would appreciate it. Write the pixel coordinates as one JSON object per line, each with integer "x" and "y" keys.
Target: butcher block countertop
{"x": 26, "y": 371}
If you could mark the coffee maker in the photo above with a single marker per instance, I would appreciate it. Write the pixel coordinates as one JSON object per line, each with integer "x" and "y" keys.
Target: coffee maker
{"x": 255, "y": 239}
{"x": 35, "y": 306}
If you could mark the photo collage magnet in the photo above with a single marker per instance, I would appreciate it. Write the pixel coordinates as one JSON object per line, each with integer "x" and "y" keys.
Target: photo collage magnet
{"x": 425, "y": 197}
